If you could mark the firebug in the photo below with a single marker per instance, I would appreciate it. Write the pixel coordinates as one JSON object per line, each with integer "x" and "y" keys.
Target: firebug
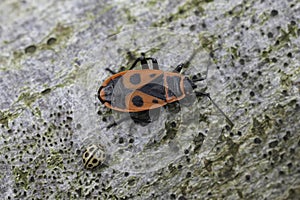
{"x": 138, "y": 92}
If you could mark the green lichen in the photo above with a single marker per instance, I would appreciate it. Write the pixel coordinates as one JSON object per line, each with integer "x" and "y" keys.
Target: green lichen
{"x": 55, "y": 160}
{"x": 153, "y": 50}
{"x": 171, "y": 130}
{"x": 49, "y": 133}
{"x": 21, "y": 177}
{"x": 70, "y": 78}
{"x": 236, "y": 11}
{"x": 183, "y": 12}
{"x": 285, "y": 80}
{"x": 130, "y": 18}
{"x": 293, "y": 29}
{"x": 6, "y": 116}
{"x": 17, "y": 55}
{"x": 131, "y": 181}
{"x": 285, "y": 37}
{"x": 151, "y": 3}
{"x": 263, "y": 18}
{"x": 207, "y": 41}
{"x": 114, "y": 32}
{"x": 234, "y": 52}
{"x": 28, "y": 98}
{"x": 58, "y": 36}
{"x": 193, "y": 5}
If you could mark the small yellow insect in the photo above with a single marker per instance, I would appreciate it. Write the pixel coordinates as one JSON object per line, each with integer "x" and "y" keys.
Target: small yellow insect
{"x": 93, "y": 156}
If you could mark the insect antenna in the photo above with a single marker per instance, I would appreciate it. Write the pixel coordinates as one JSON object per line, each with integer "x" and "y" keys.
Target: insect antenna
{"x": 216, "y": 105}
{"x": 196, "y": 79}
{"x": 187, "y": 62}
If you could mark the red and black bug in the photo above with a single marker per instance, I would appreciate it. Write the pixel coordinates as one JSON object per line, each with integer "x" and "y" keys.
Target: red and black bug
{"x": 139, "y": 91}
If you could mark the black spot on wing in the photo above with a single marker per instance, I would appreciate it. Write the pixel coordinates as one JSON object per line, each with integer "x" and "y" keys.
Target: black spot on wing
{"x": 135, "y": 79}
{"x": 137, "y": 101}
{"x": 155, "y": 88}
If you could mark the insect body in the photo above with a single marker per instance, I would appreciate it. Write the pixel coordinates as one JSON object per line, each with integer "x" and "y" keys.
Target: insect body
{"x": 140, "y": 91}
{"x": 93, "y": 156}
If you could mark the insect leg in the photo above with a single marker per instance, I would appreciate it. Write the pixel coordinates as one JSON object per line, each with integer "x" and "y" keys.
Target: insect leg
{"x": 178, "y": 68}
{"x": 143, "y": 61}
{"x": 154, "y": 62}
{"x": 110, "y": 71}
{"x": 118, "y": 122}
{"x": 134, "y": 64}
{"x": 197, "y": 79}
{"x": 219, "y": 109}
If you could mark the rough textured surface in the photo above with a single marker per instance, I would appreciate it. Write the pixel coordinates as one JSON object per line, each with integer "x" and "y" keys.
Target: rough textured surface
{"x": 52, "y": 61}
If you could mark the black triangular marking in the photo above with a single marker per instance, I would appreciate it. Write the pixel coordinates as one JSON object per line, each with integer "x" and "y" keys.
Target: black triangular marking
{"x": 155, "y": 88}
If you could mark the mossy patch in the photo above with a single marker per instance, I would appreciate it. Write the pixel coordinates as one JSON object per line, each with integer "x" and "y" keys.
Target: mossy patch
{"x": 55, "y": 160}
{"x": 21, "y": 177}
